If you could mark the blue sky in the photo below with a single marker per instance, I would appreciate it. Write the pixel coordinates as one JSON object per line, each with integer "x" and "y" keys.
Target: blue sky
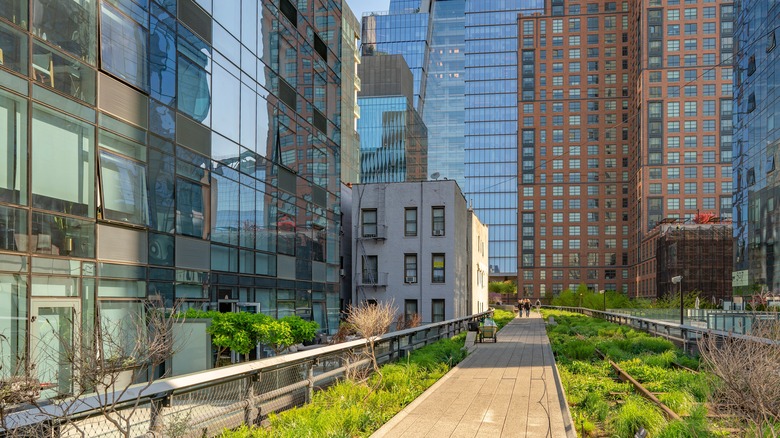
{"x": 360, "y": 6}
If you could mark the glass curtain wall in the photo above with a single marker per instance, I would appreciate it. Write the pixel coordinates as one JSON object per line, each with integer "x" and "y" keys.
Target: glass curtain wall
{"x": 166, "y": 149}
{"x": 491, "y": 122}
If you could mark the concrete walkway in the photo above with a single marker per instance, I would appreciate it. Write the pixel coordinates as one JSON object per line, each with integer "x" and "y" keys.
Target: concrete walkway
{"x": 507, "y": 389}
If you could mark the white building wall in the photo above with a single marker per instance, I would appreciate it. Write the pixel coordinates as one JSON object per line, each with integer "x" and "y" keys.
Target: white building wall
{"x": 390, "y": 201}
{"x": 478, "y": 300}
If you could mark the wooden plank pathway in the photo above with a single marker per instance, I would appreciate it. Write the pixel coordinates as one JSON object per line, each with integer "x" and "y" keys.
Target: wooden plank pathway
{"x": 507, "y": 389}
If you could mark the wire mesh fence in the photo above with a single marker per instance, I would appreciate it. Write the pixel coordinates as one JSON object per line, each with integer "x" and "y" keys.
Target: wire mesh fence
{"x": 206, "y": 403}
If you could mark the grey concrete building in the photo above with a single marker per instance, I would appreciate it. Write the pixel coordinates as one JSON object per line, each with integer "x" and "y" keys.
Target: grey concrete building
{"x": 419, "y": 244}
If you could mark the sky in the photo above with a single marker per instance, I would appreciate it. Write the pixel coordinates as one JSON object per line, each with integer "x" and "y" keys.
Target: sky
{"x": 360, "y": 6}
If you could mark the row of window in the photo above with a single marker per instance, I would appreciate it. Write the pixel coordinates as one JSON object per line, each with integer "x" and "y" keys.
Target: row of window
{"x": 371, "y": 275}
{"x": 370, "y": 226}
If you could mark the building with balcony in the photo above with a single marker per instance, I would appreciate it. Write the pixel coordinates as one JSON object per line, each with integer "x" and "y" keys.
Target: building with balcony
{"x": 419, "y": 245}
{"x": 182, "y": 150}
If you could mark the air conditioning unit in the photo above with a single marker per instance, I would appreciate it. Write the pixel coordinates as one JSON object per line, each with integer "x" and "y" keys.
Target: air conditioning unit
{"x": 369, "y": 235}
{"x": 438, "y": 232}
{"x": 342, "y": 272}
{"x": 410, "y": 280}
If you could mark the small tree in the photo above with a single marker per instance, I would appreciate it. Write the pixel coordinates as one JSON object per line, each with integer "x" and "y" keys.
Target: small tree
{"x": 286, "y": 332}
{"x": 370, "y": 321}
{"x": 237, "y": 331}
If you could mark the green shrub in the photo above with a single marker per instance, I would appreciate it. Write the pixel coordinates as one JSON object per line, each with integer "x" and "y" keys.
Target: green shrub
{"x": 502, "y": 317}
{"x": 679, "y": 401}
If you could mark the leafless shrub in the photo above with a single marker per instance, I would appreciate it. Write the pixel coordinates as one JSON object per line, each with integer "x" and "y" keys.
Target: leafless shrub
{"x": 97, "y": 367}
{"x": 370, "y": 321}
{"x": 746, "y": 380}
{"x": 403, "y": 323}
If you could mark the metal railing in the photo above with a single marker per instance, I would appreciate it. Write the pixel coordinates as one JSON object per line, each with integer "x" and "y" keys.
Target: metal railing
{"x": 205, "y": 403}
{"x": 686, "y": 336}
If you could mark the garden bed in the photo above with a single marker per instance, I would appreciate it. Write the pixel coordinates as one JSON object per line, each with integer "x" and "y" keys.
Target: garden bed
{"x": 603, "y": 406}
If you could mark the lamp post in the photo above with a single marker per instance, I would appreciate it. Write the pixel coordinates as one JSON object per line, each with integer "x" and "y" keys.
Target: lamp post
{"x": 678, "y": 281}
{"x": 605, "y": 298}
{"x": 580, "y": 299}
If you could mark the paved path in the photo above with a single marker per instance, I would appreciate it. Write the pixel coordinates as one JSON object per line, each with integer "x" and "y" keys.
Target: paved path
{"x": 505, "y": 389}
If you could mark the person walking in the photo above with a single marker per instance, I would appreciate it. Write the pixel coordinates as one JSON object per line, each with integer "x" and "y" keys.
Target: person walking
{"x": 538, "y": 305}
{"x": 527, "y": 307}
{"x": 520, "y": 308}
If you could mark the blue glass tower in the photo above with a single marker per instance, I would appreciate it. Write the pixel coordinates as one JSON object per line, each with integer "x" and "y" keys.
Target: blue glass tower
{"x": 402, "y": 31}
{"x": 491, "y": 122}
{"x": 756, "y": 177}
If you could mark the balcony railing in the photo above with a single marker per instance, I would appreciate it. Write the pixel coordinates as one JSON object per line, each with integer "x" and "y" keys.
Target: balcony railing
{"x": 205, "y": 403}
{"x": 371, "y": 279}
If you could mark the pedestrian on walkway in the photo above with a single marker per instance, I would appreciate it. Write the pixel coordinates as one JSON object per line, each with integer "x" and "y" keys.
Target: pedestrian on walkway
{"x": 527, "y": 307}
{"x": 538, "y": 305}
{"x": 520, "y": 308}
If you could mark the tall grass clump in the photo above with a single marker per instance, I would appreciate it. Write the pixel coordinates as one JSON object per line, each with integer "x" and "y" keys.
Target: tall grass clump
{"x": 636, "y": 414}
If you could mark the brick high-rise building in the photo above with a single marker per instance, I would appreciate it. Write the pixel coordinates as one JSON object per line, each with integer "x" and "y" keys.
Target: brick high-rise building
{"x": 680, "y": 60}
{"x": 624, "y": 119}
{"x": 573, "y": 147}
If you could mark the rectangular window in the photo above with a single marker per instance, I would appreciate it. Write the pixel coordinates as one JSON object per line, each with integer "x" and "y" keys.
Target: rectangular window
{"x": 410, "y": 221}
{"x": 410, "y": 310}
{"x": 370, "y": 269}
{"x": 410, "y": 268}
{"x": 438, "y": 221}
{"x": 123, "y": 189}
{"x": 13, "y": 149}
{"x": 369, "y": 223}
{"x": 63, "y": 163}
{"x": 437, "y": 310}
{"x": 438, "y": 268}
{"x": 123, "y": 47}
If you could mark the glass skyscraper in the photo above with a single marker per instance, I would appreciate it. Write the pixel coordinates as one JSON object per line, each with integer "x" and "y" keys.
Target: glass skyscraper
{"x": 402, "y": 31}
{"x": 756, "y": 178}
{"x": 172, "y": 149}
{"x": 491, "y": 122}
{"x": 471, "y": 73}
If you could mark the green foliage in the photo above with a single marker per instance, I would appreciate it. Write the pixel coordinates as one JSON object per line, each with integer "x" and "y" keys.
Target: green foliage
{"x": 502, "y": 287}
{"x": 350, "y": 409}
{"x": 242, "y": 331}
{"x": 502, "y": 317}
{"x": 634, "y": 414}
{"x": 237, "y": 331}
{"x": 612, "y": 406}
{"x": 302, "y": 330}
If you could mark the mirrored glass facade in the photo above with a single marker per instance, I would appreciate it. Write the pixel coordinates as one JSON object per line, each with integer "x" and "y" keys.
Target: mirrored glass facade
{"x": 756, "y": 138}
{"x": 176, "y": 149}
{"x": 394, "y": 141}
{"x": 402, "y": 31}
{"x": 491, "y": 122}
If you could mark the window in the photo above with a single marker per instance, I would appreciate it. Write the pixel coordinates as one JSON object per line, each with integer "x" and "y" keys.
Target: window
{"x": 438, "y": 268}
{"x": 370, "y": 269}
{"x": 13, "y": 168}
{"x": 369, "y": 223}
{"x": 123, "y": 189}
{"x": 410, "y": 221}
{"x": 437, "y": 310}
{"x": 410, "y": 268}
{"x": 123, "y": 47}
{"x": 63, "y": 164}
{"x": 438, "y": 221}
{"x": 410, "y": 310}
